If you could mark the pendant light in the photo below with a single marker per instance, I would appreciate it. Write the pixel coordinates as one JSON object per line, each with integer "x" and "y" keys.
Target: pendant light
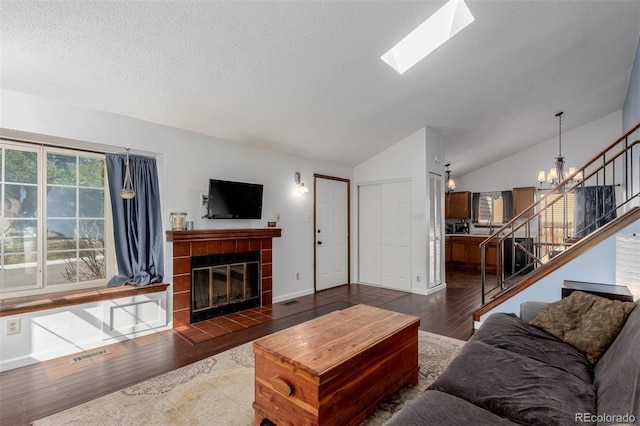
{"x": 557, "y": 174}
{"x": 127, "y": 192}
{"x": 450, "y": 183}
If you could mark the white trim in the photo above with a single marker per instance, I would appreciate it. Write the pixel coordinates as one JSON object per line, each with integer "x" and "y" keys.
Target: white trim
{"x": 292, "y": 296}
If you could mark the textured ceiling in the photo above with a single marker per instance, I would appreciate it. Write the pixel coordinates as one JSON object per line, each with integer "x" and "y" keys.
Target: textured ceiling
{"x": 306, "y": 77}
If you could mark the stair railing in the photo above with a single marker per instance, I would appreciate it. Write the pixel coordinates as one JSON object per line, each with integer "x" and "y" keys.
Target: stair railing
{"x": 595, "y": 194}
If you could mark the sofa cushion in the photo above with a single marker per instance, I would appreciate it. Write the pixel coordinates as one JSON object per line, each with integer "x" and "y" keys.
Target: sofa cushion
{"x": 617, "y": 373}
{"x": 508, "y": 332}
{"x": 514, "y": 386}
{"x": 530, "y": 308}
{"x": 588, "y": 322}
{"x": 437, "y": 408}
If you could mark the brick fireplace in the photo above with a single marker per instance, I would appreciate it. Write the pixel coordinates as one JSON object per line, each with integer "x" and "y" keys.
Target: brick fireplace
{"x": 212, "y": 242}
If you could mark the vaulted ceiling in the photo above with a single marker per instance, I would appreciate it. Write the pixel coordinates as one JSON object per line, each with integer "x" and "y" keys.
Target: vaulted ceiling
{"x": 306, "y": 77}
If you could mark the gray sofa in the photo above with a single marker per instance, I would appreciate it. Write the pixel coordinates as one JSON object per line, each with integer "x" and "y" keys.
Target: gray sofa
{"x": 511, "y": 372}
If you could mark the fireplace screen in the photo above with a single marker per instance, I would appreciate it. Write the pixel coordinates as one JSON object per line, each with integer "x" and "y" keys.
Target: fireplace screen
{"x": 219, "y": 289}
{"x": 220, "y": 285}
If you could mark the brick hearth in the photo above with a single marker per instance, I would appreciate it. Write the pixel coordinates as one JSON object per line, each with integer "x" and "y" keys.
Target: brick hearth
{"x": 216, "y": 241}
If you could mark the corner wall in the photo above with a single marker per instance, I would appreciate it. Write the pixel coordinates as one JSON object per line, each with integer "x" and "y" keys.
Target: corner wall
{"x": 410, "y": 159}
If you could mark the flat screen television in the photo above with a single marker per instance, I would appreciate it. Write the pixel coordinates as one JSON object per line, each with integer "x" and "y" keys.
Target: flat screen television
{"x": 234, "y": 200}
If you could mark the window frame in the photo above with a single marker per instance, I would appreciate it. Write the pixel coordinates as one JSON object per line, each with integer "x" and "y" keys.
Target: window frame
{"x": 41, "y": 286}
{"x": 482, "y": 222}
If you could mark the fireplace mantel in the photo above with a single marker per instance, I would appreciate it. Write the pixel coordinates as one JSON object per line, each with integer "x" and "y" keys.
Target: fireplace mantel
{"x": 186, "y": 244}
{"x": 222, "y": 234}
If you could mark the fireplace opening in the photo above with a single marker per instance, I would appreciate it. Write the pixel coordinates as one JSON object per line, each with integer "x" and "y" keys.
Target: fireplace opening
{"x": 222, "y": 284}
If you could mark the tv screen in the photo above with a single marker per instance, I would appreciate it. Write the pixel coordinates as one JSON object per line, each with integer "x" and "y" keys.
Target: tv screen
{"x": 234, "y": 200}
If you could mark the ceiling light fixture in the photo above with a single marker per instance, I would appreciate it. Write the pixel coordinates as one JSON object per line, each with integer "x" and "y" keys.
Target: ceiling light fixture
{"x": 451, "y": 185}
{"x": 428, "y": 36}
{"x": 557, "y": 174}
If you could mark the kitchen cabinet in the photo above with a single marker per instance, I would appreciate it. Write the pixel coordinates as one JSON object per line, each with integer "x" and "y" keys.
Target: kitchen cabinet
{"x": 464, "y": 252}
{"x": 523, "y": 197}
{"x": 458, "y": 205}
{"x": 459, "y": 249}
{"x": 475, "y": 253}
{"x": 447, "y": 249}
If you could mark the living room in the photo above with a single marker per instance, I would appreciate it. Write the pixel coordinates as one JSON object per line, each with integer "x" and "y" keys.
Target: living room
{"x": 188, "y": 159}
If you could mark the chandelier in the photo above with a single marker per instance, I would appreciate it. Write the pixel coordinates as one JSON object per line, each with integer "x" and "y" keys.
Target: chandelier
{"x": 557, "y": 174}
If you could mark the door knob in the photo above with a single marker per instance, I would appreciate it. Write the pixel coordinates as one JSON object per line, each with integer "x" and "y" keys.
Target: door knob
{"x": 319, "y": 242}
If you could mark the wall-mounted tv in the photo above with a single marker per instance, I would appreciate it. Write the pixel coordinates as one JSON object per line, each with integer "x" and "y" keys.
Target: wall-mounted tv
{"x": 234, "y": 200}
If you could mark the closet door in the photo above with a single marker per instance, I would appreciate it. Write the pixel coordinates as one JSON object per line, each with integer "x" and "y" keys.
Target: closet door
{"x": 384, "y": 245}
{"x": 396, "y": 236}
{"x": 369, "y": 234}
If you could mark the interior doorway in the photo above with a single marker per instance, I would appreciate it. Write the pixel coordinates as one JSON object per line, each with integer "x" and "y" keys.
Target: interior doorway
{"x": 331, "y": 231}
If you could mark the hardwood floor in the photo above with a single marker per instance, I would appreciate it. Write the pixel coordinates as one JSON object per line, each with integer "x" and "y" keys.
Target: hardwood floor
{"x": 36, "y": 391}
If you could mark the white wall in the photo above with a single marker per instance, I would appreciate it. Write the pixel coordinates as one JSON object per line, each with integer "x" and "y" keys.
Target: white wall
{"x": 631, "y": 112}
{"x": 597, "y": 265}
{"x": 521, "y": 169}
{"x": 409, "y": 159}
{"x": 631, "y": 107}
{"x": 186, "y": 161}
{"x": 59, "y": 332}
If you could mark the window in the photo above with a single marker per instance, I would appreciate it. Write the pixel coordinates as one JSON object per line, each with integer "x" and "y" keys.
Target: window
{"x": 490, "y": 208}
{"x": 556, "y": 221}
{"x": 55, "y": 220}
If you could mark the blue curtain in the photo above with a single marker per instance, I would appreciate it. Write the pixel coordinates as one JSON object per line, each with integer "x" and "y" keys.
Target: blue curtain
{"x": 137, "y": 224}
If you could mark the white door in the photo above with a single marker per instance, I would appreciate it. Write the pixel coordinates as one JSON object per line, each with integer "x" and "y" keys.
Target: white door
{"x": 435, "y": 239}
{"x": 332, "y": 232}
{"x": 396, "y": 237}
{"x": 369, "y": 213}
{"x": 384, "y": 237}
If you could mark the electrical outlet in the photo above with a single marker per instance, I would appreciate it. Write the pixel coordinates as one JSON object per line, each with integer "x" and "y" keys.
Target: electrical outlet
{"x": 13, "y": 326}
{"x": 418, "y": 277}
{"x": 204, "y": 200}
{"x": 297, "y": 276}
{"x": 277, "y": 217}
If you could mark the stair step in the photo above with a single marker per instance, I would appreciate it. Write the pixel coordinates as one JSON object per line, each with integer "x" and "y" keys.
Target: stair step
{"x": 572, "y": 240}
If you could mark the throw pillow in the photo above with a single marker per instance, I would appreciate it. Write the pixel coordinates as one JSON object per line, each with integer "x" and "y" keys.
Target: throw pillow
{"x": 589, "y": 323}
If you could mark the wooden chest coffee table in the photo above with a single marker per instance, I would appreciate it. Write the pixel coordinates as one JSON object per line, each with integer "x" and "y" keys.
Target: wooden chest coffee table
{"x": 335, "y": 369}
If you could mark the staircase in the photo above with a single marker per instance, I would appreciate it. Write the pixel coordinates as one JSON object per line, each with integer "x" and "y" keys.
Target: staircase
{"x": 597, "y": 199}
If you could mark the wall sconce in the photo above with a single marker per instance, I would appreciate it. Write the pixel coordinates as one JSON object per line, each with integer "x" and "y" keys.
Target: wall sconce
{"x": 301, "y": 188}
{"x": 451, "y": 185}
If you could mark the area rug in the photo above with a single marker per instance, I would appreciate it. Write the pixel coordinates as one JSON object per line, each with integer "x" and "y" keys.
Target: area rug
{"x": 219, "y": 390}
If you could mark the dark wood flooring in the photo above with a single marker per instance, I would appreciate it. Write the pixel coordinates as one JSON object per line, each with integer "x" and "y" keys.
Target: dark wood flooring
{"x": 36, "y": 391}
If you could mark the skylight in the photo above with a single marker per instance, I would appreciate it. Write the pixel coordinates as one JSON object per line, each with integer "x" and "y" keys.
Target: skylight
{"x": 435, "y": 31}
